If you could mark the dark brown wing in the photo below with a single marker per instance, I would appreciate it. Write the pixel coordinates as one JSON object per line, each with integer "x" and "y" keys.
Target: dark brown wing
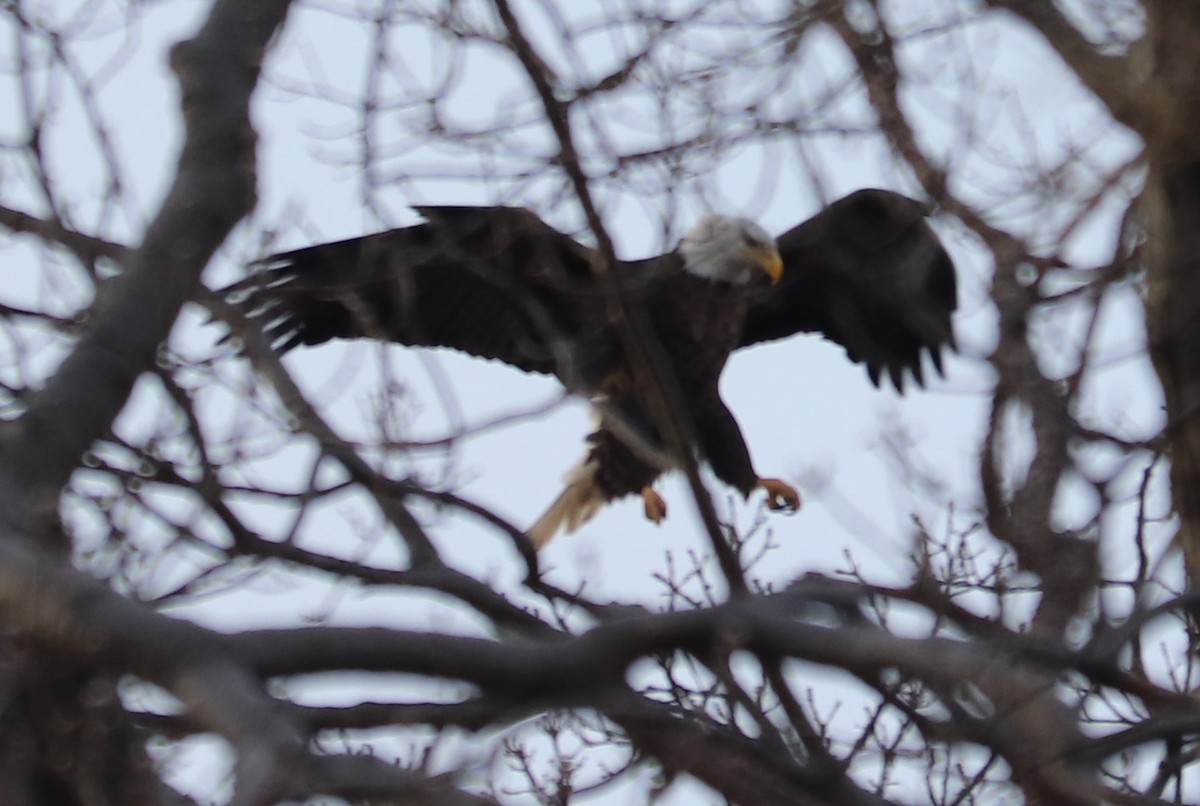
{"x": 495, "y": 282}
{"x": 869, "y": 273}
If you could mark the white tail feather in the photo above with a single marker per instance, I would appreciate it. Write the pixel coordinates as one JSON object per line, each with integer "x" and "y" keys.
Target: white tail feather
{"x": 578, "y": 503}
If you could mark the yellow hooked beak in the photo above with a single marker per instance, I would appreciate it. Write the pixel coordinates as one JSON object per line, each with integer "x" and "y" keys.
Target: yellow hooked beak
{"x": 769, "y": 260}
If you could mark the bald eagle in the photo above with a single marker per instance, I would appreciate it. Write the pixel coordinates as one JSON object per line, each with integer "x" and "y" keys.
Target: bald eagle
{"x": 497, "y": 282}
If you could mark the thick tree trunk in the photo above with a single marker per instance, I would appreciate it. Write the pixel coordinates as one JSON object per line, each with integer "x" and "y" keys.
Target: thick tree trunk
{"x": 1171, "y": 210}
{"x": 1154, "y": 89}
{"x": 65, "y": 740}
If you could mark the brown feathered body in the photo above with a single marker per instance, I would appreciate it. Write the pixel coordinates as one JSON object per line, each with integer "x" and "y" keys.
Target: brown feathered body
{"x": 697, "y": 324}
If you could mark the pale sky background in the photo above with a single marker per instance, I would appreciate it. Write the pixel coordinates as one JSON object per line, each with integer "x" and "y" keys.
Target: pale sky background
{"x": 808, "y": 414}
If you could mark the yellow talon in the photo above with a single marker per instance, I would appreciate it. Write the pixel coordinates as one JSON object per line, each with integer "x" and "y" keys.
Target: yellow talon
{"x": 780, "y": 495}
{"x": 655, "y": 506}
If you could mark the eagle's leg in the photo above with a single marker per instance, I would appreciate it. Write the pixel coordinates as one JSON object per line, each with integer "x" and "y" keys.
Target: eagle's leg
{"x": 780, "y": 494}
{"x": 655, "y": 506}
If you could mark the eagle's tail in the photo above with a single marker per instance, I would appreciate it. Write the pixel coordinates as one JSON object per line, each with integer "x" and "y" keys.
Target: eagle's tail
{"x": 582, "y": 499}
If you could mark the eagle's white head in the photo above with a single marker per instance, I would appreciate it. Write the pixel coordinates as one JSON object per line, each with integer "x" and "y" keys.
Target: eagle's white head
{"x": 730, "y": 250}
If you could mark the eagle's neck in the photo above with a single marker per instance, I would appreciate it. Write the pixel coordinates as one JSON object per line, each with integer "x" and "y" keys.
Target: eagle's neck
{"x": 711, "y": 268}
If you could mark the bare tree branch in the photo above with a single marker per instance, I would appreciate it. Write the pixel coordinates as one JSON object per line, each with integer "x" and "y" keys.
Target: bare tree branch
{"x": 670, "y": 411}
{"x": 1119, "y": 81}
{"x": 214, "y": 188}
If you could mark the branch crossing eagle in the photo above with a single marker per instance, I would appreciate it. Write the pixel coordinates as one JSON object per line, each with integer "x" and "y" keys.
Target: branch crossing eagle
{"x": 497, "y": 282}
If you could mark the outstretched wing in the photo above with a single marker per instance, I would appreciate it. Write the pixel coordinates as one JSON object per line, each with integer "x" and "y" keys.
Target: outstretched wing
{"x": 869, "y": 273}
{"x": 495, "y": 282}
